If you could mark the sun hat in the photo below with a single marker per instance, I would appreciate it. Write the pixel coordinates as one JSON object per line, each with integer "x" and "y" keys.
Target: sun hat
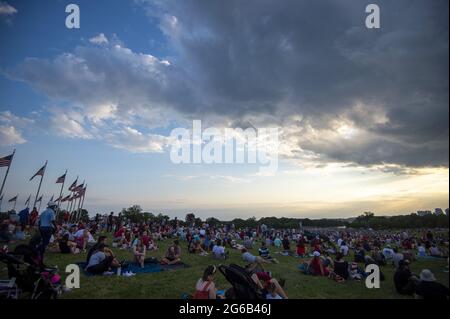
{"x": 427, "y": 275}
{"x": 51, "y": 204}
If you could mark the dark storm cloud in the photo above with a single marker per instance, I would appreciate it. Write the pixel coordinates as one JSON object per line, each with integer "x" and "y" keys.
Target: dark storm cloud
{"x": 317, "y": 59}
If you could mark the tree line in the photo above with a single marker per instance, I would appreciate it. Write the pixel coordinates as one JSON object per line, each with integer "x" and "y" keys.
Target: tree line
{"x": 366, "y": 220}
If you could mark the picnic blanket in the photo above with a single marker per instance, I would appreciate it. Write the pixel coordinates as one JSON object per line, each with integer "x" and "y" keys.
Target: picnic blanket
{"x": 135, "y": 268}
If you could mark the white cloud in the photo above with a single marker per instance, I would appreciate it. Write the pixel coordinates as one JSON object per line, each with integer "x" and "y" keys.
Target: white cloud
{"x": 6, "y": 9}
{"x": 68, "y": 124}
{"x": 135, "y": 141}
{"x": 99, "y": 39}
{"x": 9, "y": 135}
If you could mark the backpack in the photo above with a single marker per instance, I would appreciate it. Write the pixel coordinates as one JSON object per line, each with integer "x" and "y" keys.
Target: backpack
{"x": 202, "y": 294}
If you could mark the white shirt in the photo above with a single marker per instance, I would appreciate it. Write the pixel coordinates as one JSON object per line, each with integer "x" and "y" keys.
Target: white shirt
{"x": 218, "y": 250}
{"x": 344, "y": 250}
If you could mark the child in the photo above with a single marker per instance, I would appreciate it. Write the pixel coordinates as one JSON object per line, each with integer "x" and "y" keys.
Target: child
{"x": 271, "y": 291}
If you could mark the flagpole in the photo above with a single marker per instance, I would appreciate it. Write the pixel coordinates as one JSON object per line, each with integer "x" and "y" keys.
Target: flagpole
{"x": 40, "y": 203}
{"x": 62, "y": 186}
{"x": 84, "y": 195}
{"x": 28, "y": 201}
{"x": 1, "y": 200}
{"x": 39, "y": 188}
{"x": 6, "y": 175}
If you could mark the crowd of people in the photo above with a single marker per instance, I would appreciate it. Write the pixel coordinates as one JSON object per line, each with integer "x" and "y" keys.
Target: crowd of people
{"x": 337, "y": 254}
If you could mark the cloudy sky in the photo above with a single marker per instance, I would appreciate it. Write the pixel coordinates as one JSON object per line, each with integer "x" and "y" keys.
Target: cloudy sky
{"x": 362, "y": 113}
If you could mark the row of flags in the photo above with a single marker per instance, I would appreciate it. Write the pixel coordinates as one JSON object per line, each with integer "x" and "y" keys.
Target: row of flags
{"x": 76, "y": 191}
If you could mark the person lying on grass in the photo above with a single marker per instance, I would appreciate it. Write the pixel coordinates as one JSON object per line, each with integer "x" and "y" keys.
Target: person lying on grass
{"x": 205, "y": 287}
{"x": 250, "y": 258}
{"x": 101, "y": 261}
{"x": 173, "y": 254}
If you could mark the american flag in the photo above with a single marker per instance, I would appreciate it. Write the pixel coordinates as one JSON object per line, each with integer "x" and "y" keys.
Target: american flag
{"x": 79, "y": 188}
{"x": 74, "y": 184}
{"x": 13, "y": 199}
{"x": 61, "y": 179}
{"x": 65, "y": 199}
{"x": 40, "y": 172}
{"x": 6, "y": 161}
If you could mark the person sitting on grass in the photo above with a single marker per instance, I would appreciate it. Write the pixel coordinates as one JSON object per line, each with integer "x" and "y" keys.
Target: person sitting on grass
{"x": 173, "y": 254}
{"x": 139, "y": 251}
{"x": 429, "y": 288}
{"x": 316, "y": 266}
{"x": 198, "y": 249}
{"x": 83, "y": 237}
{"x": 127, "y": 239}
{"x": 218, "y": 250}
{"x": 269, "y": 285}
{"x": 151, "y": 243}
{"x": 94, "y": 248}
{"x": 286, "y": 246}
{"x": 340, "y": 268}
{"x": 271, "y": 289}
{"x": 265, "y": 254}
{"x": 118, "y": 235}
{"x": 397, "y": 257}
{"x": 435, "y": 252}
{"x": 66, "y": 246}
{"x": 378, "y": 257}
{"x": 301, "y": 248}
{"x": 205, "y": 287}
{"x": 101, "y": 262}
{"x": 264, "y": 251}
{"x": 404, "y": 280}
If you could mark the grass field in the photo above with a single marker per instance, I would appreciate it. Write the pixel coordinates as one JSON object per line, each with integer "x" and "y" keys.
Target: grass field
{"x": 172, "y": 284}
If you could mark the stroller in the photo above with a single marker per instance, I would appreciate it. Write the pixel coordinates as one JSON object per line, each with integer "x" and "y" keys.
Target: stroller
{"x": 31, "y": 276}
{"x": 243, "y": 285}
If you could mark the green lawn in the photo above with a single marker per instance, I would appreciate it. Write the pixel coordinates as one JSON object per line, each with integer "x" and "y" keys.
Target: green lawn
{"x": 172, "y": 284}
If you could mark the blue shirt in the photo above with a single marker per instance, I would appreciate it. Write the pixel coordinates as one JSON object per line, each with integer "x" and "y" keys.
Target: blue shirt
{"x": 46, "y": 218}
{"x": 23, "y": 215}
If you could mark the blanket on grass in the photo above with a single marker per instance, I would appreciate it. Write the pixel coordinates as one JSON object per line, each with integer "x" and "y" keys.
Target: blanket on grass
{"x": 135, "y": 268}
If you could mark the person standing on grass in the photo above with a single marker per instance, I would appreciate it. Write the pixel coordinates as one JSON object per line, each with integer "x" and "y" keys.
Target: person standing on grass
{"x": 109, "y": 222}
{"x": 47, "y": 225}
